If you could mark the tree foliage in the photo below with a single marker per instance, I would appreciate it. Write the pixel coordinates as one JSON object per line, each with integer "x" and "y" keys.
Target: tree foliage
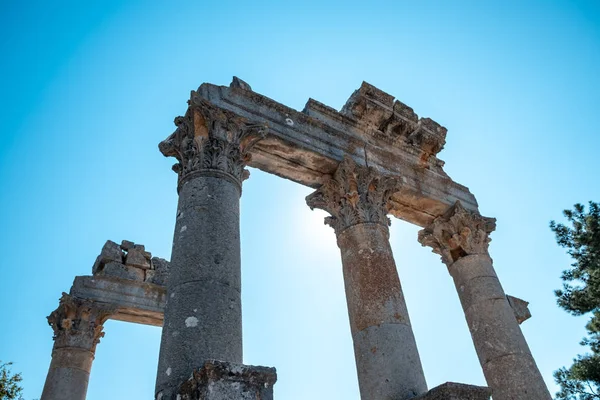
{"x": 10, "y": 383}
{"x": 581, "y": 295}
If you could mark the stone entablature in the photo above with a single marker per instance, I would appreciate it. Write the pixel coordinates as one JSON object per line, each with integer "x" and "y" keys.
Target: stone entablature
{"x": 306, "y": 145}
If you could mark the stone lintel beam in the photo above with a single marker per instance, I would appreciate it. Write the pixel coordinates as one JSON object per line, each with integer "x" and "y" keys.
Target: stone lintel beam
{"x": 456, "y": 391}
{"x": 305, "y": 146}
{"x": 132, "y": 301}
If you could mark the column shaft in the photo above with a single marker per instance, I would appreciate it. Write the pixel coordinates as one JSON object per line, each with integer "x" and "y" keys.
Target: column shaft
{"x": 77, "y": 328}
{"x": 461, "y": 237}
{"x": 203, "y": 317}
{"x": 387, "y": 359}
{"x": 505, "y": 358}
{"x": 68, "y": 375}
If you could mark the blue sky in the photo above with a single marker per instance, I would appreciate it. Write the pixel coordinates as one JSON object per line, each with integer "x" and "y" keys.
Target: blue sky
{"x": 90, "y": 88}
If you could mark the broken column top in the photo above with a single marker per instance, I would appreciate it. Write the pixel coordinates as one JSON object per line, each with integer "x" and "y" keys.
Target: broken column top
{"x": 372, "y": 128}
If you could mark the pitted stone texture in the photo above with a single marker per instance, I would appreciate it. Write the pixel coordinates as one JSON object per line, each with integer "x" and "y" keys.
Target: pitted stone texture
{"x": 218, "y": 380}
{"x": 130, "y": 261}
{"x": 122, "y": 271}
{"x": 203, "y": 318}
{"x": 456, "y": 391}
{"x": 111, "y": 252}
{"x": 387, "y": 359}
{"x": 159, "y": 273}
{"x": 520, "y": 307}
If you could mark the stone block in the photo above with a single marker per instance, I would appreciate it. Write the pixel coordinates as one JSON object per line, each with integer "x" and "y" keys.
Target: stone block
{"x": 159, "y": 272}
{"x": 122, "y": 271}
{"x": 456, "y": 391}
{"x": 127, "y": 245}
{"x": 520, "y": 308}
{"x": 136, "y": 258}
{"x": 219, "y": 380}
{"x": 111, "y": 252}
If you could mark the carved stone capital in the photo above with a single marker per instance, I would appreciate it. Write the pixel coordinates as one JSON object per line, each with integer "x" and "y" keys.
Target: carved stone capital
{"x": 354, "y": 195}
{"x": 458, "y": 233}
{"x": 78, "y": 323}
{"x": 211, "y": 141}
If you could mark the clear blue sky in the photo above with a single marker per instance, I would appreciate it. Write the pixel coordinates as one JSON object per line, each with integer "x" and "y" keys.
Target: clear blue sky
{"x": 90, "y": 88}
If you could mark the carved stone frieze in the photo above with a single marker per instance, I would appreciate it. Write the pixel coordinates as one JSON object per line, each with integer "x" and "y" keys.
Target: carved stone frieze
{"x": 458, "y": 233}
{"x": 78, "y": 323}
{"x": 354, "y": 195}
{"x": 209, "y": 139}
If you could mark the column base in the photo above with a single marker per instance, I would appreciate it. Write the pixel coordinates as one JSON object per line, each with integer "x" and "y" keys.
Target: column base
{"x": 220, "y": 380}
{"x": 456, "y": 391}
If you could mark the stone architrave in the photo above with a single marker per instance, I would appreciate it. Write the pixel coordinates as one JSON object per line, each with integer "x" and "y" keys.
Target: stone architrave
{"x": 77, "y": 328}
{"x": 203, "y": 316}
{"x": 387, "y": 359}
{"x": 461, "y": 238}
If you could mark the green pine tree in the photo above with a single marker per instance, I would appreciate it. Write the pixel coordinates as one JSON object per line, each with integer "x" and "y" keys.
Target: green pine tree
{"x": 581, "y": 295}
{"x": 10, "y": 388}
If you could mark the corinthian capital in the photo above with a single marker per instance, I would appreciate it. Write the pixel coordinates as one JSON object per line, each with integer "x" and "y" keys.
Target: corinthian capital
{"x": 78, "y": 323}
{"x": 354, "y": 195}
{"x": 211, "y": 140}
{"x": 458, "y": 233}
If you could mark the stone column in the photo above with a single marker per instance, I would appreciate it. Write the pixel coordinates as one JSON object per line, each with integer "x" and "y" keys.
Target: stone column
{"x": 77, "y": 328}
{"x": 203, "y": 316}
{"x": 461, "y": 238}
{"x": 387, "y": 359}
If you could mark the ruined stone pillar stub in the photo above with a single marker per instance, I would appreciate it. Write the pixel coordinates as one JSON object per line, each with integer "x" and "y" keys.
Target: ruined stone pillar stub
{"x": 77, "y": 326}
{"x": 387, "y": 359}
{"x": 203, "y": 316}
{"x": 461, "y": 238}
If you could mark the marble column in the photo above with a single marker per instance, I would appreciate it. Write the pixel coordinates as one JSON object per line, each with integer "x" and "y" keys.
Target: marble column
{"x": 387, "y": 359}
{"x": 203, "y": 315}
{"x": 77, "y": 328}
{"x": 462, "y": 238}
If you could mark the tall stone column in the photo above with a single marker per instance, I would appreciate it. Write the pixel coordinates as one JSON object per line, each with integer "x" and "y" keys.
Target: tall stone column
{"x": 77, "y": 328}
{"x": 203, "y": 315}
{"x": 387, "y": 359}
{"x": 462, "y": 238}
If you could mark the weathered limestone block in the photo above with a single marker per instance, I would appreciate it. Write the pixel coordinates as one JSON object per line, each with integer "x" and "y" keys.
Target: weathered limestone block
{"x": 456, "y": 391}
{"x": 111, "y": 252}
{"x": 122, "y": 271}
{"x": 520, "y": 307}
{"x": 137, "y": 258}
{"x": 218, "y": 380}
{"x": 387, "y": 360}
{"x": 130, "y": 261}
{"x": 77, "y": 326}
{"x": 133, "y": 301}
{"x": 461, "y": 238}
{"x": 159, "y": 273}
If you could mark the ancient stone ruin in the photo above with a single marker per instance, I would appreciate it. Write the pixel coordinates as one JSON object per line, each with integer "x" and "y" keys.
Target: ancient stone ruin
{"x": 373, "y": 158}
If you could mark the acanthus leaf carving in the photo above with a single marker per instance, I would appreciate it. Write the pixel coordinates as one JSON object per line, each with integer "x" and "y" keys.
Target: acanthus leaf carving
{"x": 208, "y": 138}
{"x": 353, "y": 195}
{"x": 78, "y": 323}
{"x": 458, "y": 233}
